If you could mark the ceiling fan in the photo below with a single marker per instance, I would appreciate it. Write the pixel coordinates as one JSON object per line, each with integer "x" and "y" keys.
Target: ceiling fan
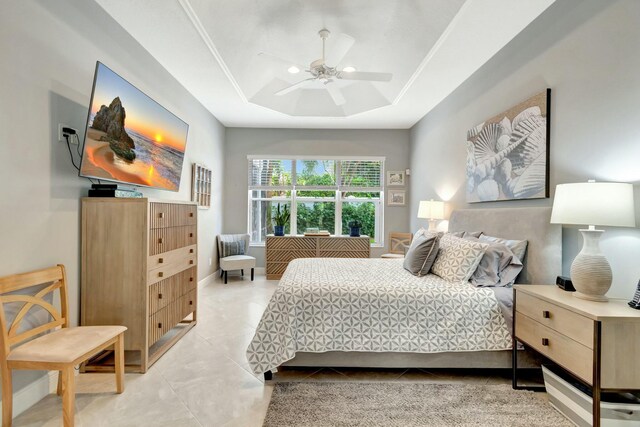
{"x": 320, "y": 71}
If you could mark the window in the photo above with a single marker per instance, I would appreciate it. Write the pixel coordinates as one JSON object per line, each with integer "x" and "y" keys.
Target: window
{"x": 321, "y": 193}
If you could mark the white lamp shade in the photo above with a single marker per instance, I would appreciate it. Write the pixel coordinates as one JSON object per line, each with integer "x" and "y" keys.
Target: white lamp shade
{"x": 431, "y": 209}
{"x": 594, "y": 203}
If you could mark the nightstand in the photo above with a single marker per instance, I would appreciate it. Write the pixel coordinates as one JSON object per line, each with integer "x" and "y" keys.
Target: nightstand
{"x": 596, "y": 342}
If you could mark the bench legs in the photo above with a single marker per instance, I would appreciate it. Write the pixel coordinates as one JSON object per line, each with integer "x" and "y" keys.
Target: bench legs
{"x": 68, "y": 396}
{"x": 252, "y": 274}
{"x": 7, "y": 397}
{"x": 118, "y": 354}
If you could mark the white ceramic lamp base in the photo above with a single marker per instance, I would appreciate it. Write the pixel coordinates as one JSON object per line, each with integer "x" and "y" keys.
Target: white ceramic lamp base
{"x": 590, "y": 271}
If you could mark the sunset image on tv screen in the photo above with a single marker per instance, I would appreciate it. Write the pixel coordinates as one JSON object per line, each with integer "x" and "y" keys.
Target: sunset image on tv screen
{"x": 131, "y": 138}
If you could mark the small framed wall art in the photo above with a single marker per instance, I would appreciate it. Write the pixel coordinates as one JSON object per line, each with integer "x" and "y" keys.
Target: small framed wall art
{"x": 396, "y": 178}
{"x": 396, "y": 198}
{"x": 201, "y": 186}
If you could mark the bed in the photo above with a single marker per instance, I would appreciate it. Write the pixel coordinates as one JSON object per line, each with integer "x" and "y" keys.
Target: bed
{"x": 373, "y": 313}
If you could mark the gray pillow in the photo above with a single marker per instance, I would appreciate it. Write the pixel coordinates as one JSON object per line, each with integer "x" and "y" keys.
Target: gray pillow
{"x": 422, "y": 253}
{"x": 498, "y": 267}
{"x": 518, "y": 247}
{"x": 464, "y": 234}
{"x": 232, "y": 248}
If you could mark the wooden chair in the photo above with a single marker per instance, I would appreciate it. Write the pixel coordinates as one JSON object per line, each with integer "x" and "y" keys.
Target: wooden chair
{"x": 60, "y": 349}
{"x": 397, "y": 244}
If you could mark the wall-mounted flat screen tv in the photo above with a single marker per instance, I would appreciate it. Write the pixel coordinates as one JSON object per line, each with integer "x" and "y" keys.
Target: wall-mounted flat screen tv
{"x": 129, "y": 137}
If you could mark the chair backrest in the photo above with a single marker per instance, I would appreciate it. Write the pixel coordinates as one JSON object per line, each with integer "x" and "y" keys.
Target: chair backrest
{"x": 51, "y": 279}
{"x": 398, "y": 242}
{"x": 232, "y": 238}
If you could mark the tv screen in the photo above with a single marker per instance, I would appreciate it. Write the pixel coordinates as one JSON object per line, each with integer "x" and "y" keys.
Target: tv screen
{"x": 129, "y": 137}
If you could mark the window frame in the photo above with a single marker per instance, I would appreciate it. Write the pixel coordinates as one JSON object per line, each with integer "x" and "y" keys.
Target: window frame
{"x": 338, "y": 189}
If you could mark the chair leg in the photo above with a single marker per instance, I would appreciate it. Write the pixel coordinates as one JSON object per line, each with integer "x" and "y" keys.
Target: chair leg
{"x": 242, "y": 272}
{"x": 119, "y": 358}
{"x": 221, "y": 272}
{"x": 68, "y": 396}
{"x": 225, "y": 277}
{"x": 252, "y": 274}
{"x": 59, "y": 391}
{"x": 7, "y": 398}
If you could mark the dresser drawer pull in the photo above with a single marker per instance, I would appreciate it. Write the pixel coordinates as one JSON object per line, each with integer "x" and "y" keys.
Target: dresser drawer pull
{"x": 190, "y": 302}
{"x": 546, "y": 314}
{"x": 545, "y": 342}
{"x": 159, "y": 296}
{"x": 190, "y": 261}
{"x": 190, "y": 234}
{"x": 190, "y": 214}
{"x": 161, "y": 274}
{"x": 160, "y": 260}
{"x": 161, "y": 215}
{"x": 160, "y": 240}
{"x": 191, "y": 279}
{"x": 190, "y": 251}
{"x": 159, "y": 325}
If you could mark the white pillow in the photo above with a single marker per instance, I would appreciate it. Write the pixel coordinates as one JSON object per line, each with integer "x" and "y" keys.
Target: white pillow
{"x": 457, "y": 258}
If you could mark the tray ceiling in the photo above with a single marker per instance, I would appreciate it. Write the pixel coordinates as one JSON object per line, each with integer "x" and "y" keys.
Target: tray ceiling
{"x": 430, "y": 46}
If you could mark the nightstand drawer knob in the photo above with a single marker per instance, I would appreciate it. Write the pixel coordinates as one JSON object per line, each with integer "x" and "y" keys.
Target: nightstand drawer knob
{"x": 546, "y": 314}
{"x": 545, "y": 342}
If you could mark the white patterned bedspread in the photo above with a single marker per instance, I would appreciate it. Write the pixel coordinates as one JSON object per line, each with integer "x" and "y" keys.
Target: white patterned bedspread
{"x": 373, "y": 305}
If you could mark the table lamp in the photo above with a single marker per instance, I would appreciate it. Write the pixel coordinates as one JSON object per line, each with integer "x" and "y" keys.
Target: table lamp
{"x": 593, "y": 203}
{"x": 432, "y": 210}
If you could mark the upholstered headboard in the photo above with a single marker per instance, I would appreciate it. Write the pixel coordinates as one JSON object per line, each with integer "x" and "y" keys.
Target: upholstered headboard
{"x": 543, "y": 261}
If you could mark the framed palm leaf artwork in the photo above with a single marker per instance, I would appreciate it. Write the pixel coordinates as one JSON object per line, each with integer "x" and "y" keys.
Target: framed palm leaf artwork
{"x": 508, "y": 155}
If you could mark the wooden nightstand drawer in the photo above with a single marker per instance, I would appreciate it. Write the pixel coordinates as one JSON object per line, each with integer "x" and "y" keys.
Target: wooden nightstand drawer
{"x": 568, "y": 353}
{"x": 573, "y": 325}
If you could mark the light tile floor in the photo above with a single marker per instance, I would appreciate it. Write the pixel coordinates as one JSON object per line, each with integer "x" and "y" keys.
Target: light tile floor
{"x": 205, "y": 380}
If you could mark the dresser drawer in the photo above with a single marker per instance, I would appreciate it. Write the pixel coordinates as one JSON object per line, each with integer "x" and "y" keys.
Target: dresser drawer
{"x": 566, "y": 322}
{"x": 171, "y": 257}
{"x": 572, "y": 355}
{"x": 157, "y": 274}
{"x": 163, "y": 240}
{"x": 162, "y": 215}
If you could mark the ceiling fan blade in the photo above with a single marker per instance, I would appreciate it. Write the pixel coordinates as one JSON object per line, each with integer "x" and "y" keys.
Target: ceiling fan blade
{"x": 363, "y": 75}
{"x": 293, "y": 87}
{"x": 337, "y": 50}
{"x": 284, "y": 61}
{"x": 336, "y": 94}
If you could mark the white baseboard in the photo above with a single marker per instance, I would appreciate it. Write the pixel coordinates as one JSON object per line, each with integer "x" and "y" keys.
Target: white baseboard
{"x": 28, "y": 396}
{"x": 209, "y": 279}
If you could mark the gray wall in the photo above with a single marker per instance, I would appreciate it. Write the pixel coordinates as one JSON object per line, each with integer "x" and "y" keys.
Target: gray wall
{"x": 47, "y": 58}
{"x": 240, "y": 142}
{"x": 587, "y": 53}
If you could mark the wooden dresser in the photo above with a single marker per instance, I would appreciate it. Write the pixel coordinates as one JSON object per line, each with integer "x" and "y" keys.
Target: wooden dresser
{"x": 282, "y": 249}
{"x": 139, "y": 269}
{"x": 599, "y": 343}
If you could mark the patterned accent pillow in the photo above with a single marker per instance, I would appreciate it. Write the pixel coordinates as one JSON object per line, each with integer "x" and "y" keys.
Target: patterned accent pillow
{"x": 457, "y": 258}
{"x": 232, "y": 248}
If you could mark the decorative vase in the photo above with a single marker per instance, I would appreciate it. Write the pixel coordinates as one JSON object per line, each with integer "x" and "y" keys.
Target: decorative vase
{"x": 278, "y": 230}
{"x": 354, "y": 231}
{"x": 590, "y": 270}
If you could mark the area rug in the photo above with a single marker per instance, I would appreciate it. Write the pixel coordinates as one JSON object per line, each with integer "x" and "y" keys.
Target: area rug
{"x": 406, "y": 405}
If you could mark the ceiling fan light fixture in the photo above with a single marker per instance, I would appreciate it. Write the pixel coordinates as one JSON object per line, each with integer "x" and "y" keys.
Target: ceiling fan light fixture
{"x": 293, "y": 69}
{"x": 349, "y": 69}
